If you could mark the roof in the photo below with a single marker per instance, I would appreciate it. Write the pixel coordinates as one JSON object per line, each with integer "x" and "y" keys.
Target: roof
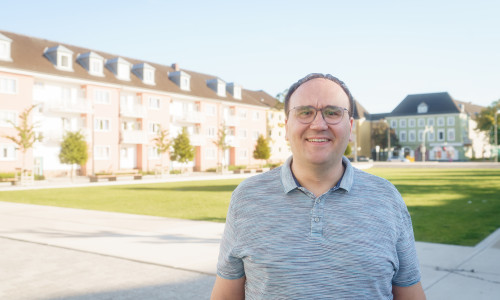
{"x": 28, "y": 54}
{"x": 437, "y": 103}
{"x": 359, "y": 111}
{"x": 471, "y": 109}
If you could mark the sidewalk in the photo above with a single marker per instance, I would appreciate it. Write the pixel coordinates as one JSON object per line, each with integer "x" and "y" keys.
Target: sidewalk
{"x": 63, "y": 253}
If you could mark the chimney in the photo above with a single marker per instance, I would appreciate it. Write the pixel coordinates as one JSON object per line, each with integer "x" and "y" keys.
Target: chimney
{"x": 176, "y": 67}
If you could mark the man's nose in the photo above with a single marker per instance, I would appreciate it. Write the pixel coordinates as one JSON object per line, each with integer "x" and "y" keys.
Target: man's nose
{"x": 319, "y": 122}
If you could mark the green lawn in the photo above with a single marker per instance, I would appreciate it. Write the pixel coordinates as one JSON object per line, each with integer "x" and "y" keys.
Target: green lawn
{"x": 452, "y": 206}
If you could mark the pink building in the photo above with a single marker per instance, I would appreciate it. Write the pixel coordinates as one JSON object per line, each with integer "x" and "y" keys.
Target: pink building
{"x": 119, "y": 104}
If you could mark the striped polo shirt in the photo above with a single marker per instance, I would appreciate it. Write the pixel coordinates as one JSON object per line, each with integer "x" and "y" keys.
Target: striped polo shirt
{"x": 353, "y": 242}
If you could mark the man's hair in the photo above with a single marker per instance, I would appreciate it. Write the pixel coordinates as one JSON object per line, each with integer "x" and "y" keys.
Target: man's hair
{"x": 311, "y": 76}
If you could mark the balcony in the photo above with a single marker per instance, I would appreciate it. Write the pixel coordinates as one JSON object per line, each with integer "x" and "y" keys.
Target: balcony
{"x": 195, "y": 117}
{"x": 232, "y": 141}
{"x": 56, "y": 136}
{"x": 134, "y": 111}
{"x": 231, "y": 121}
{"x": 196, "y": 140}
{"x": 77, "y": 106}
{"x": 133, "y": 137}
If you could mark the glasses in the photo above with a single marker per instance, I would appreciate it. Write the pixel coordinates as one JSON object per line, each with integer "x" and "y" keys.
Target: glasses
{"x": 331, "y": 114}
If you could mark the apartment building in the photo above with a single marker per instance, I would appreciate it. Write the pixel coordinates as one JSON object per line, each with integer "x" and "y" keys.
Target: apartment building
{"x": 119, "y": 104}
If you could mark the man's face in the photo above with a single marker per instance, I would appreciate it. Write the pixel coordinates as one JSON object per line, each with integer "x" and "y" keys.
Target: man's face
{"x": 318, "y": 143}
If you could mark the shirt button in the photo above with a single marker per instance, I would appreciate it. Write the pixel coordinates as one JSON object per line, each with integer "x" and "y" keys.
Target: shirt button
{"x": 316, "y": 220}
{"x": 318, "y": 200}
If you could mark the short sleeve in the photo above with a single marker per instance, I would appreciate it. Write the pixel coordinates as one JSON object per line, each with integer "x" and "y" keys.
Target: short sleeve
{"x": 408, "y": 272}
{"x": 230, "y": 266}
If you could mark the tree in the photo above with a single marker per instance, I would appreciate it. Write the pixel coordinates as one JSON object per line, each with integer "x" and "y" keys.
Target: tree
{"x": 262, "y": 150}
{"x": 486, "y": 120}
{"x": 26, "y": 136}
{"x": 182, "y": 152}
{"x": 221, "y": 142}
{"x": 379, "y": 135}
{"x": 348, "y": 150}
{"x": 162, "y": 143}
{"x": 73, "y": 150}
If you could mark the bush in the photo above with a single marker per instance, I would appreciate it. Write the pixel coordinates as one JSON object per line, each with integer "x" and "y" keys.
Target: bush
{"x": 174, "y": 172}
{"x": 272, "y": 165}
{"x": 213, "y": 170}
{"x": 240, "y": 167}
{"x": 7, "y": 175}
{"x": 39, "y": 177}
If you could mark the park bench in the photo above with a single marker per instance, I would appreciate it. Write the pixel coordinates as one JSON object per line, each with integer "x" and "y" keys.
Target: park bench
{"x": 119, "y": 173}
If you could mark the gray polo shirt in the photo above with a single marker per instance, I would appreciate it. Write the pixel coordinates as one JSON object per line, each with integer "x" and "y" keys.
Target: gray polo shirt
{"x": 353, "y": 242}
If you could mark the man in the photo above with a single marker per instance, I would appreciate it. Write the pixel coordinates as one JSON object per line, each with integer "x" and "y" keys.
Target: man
{"x": 317, "y": 228}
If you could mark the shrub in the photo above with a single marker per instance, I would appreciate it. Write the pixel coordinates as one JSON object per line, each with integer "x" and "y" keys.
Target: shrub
{"x": 239, "y": 167}
{"x": 175, "y": 172}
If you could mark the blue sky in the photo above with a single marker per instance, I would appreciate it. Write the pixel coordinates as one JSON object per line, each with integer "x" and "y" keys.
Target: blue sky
{"x": 383, "y": 50}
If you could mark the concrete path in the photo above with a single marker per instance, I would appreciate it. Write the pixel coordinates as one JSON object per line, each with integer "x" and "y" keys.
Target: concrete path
{"x": 62, "y": 253}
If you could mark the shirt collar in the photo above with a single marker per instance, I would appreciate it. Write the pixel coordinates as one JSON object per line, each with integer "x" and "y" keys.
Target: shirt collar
{"x": 289, "y": 182}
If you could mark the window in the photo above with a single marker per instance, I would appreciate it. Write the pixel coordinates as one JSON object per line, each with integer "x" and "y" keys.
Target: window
{"x": 95, "y": 66}
{"x": 6, "y": 117}
{"x": 211, "y": 110}
{"x": 8, "y": 85}
{"x": 430, "y": 136}
{"x": 101, "y": 125}
{"x": 421, "y": 122}
{"x": 243, "y": 114}
{"x": 8, "y": 152}
{"x": 256, "y": 115}
{"x": 154, "y": 127}
{"x": 102, "y": 152}
{"x": 402, "y": 123}
{"x": 402, "y": 136}
{"x": 440, "y": 135}
{"x": 185, "y": 83}
{"x": 154, "y": 103}
{"x": 422, "y": 108}
{"x": 440, "y": 121}
{"x": 211, "y": 132}
{"x": 451, "y": 134}
{"x": 411, "y": 123}
{"x": 64, "y": 63}
{"x": 411, "y": 136}
{"x": 450, "y": 121}
{"x": 210, "y": 153}
{"x": 123, "y": 71}
{"x": 149, "y": 76}
{"x": 244, "y": 153}
{"x": 394, "y": 123}
{"x": 243, "y": 133}
{"x": 430, "y": 122}
{"x": 153, "y": 152}
{"x": 4, "y": 50}
{"x": 420, "y": 135}
{"x": 221, "y": 89}
{"x": 255, "y": 135}
{"x": 102, "y": 97}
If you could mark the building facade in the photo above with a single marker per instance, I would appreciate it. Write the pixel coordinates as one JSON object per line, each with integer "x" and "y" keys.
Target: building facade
{"x": 119, "y": 104}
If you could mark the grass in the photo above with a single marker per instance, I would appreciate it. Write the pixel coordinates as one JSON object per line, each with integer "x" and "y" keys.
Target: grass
{"x": 451, "y": 206}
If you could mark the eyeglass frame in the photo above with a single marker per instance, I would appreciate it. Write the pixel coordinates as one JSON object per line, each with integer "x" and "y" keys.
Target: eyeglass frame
{"x": 322, "y": 114}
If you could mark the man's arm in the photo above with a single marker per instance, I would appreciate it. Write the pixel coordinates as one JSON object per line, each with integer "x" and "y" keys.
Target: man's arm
{"x": 412, "y": 292}
{"x": 228, "y": 289}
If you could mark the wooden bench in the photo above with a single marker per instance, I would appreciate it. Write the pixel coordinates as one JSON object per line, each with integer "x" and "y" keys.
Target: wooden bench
{"x": 13, "y": 181}
{"x": 119, "y": 173}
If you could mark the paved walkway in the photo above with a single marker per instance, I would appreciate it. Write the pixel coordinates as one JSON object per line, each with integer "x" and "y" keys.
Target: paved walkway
{"x": 62, "y": 253}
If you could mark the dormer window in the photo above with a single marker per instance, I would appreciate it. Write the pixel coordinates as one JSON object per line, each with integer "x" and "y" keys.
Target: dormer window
{"x": 182, "y": 79}
{"x": 145, "y": 72}
{"x": 119, "y": 67}
{"x": 5, "y": 44}
{"x": 422, "y": 108}
{"x": 234, "y": 89}
{"x": 218, "y": 86}
{"x": 92, "y": 62}
{"x": 61, "y": 57}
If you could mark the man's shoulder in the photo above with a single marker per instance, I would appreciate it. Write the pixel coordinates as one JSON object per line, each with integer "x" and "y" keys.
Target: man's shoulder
{"x": 260, "y": 182}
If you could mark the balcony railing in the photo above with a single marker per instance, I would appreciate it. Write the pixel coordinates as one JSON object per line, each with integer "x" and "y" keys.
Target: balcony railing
{"x": 231, "y": 121}
{"x": 133, "y": 137}
{"x": 57, "y": 136}
{"x": 78, "y": 105}
{"x": 232, "y": 141}
{"x": 135, "y": 111}
{"x": 189, "y": 117}
{"x": 196, "y": 140}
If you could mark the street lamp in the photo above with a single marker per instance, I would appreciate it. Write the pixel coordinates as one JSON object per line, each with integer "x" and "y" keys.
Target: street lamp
{"x": 496, "y": 135}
